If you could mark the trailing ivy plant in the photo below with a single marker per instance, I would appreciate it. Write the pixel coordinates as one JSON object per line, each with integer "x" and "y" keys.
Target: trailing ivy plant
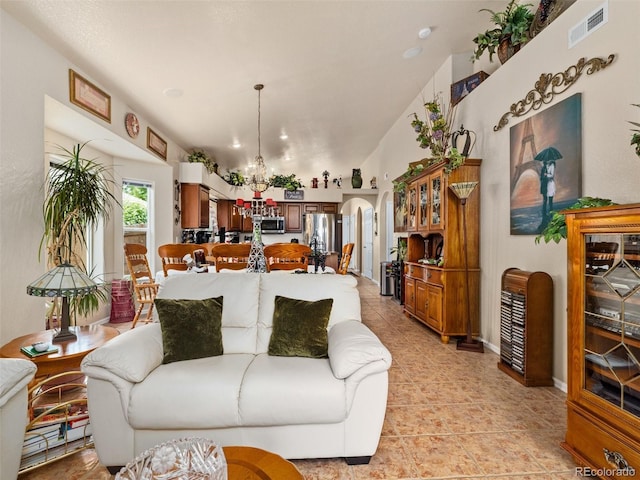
{"x": 288, "y": 182}
{"x": 556, "y": 229}
{"x": 454, "y": 160}
{"x": 234, "y": 178}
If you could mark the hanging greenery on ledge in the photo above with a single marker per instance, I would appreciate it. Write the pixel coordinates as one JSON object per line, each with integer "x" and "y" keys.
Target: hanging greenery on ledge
{"x": 556, "y": 229}
{"x": 234, "y": 178}
{"x": 453, "y": 161}
{"x": 199, "y": 156}
{"x": 288, "y": 182}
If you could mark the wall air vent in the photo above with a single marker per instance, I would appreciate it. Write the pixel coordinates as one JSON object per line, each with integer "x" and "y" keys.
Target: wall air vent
{"x": 590, "y": 24}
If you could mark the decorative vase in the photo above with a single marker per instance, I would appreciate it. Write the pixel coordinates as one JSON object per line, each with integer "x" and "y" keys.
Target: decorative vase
{"x": 506, "y": 50}
{"x": 356, "y": 178}
{"x": 314, "y": 182}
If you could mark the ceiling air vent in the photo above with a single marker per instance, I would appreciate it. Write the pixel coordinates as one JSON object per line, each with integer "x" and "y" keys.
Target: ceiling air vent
{"x": 591, "y": 23}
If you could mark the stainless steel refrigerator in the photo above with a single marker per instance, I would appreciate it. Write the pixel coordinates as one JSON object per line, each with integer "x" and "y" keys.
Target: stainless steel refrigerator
{"x": 326, "y": 227}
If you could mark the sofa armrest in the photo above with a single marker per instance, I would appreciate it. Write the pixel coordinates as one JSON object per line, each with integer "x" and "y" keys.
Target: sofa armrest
{"x": 131, "y": 355}
{"x": 16, "y": 374}
{"x": 353, "y": 346}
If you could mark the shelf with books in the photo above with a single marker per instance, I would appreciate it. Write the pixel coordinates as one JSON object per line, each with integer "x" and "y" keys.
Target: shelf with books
{"x": 59, "y": 420}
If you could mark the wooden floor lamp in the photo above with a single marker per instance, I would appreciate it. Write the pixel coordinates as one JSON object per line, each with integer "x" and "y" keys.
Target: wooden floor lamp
{"x": 463, "y": 190}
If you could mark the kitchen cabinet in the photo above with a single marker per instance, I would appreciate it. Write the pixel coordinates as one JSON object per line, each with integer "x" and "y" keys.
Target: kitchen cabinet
{"x": 194, "y": 205}
{"x": 231, "y": 220}
{"x": 293, "y": 212}
{"x": 434, "y": 272}
{"x": 320, "y": 207}
{"x": 603, "y": 399}
{"x": 292, "y": 217}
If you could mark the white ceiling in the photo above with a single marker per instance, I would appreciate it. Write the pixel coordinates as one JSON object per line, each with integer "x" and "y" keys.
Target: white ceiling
{"x": 334, "y": 74}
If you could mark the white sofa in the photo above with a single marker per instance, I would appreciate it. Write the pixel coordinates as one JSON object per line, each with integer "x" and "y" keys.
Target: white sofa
{"x": 15, "y": 375}
{"x": 296, "y": 407}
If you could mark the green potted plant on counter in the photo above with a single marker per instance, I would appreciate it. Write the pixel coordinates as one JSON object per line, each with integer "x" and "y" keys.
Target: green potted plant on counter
{"x": 510, "y": 33}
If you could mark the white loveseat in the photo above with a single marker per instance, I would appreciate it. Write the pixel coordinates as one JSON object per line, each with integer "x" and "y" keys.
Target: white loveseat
{"x": 15, "y": 375}
{"x": 294, "y": 406}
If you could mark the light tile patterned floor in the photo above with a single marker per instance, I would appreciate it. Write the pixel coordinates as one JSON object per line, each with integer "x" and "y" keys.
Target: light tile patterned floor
{"x": 450, "y": 415}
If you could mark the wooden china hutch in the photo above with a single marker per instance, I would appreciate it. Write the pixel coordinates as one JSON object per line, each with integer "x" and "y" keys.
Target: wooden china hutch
{"x": 434, "y": 278}
{"x": 603, "y": 401}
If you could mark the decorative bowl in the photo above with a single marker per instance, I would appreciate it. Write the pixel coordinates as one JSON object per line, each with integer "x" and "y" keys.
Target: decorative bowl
{"x": 184, "y": 459}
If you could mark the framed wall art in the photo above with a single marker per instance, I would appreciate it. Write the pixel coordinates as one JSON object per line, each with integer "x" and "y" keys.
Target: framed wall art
{"x": 87, "y": 96}
{"x": 156, "y": 144}
{"x": 462, "y": 88}
{"x": 546, "y": 165}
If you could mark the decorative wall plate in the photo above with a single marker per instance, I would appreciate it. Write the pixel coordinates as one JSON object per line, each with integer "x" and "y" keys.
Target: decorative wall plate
{"x": 132, "y": 125}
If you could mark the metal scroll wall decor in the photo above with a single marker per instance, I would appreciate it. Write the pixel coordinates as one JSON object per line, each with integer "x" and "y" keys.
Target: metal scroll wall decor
{"x": 550, "y": 85}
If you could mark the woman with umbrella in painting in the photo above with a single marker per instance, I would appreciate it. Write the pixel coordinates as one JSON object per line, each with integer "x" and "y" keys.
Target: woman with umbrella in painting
{"x": 548, "y": 157}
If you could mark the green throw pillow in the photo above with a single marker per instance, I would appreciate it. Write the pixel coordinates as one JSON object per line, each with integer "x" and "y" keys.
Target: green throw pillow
{"x": 190, "y": 328}
{"x": 300, "y": 328}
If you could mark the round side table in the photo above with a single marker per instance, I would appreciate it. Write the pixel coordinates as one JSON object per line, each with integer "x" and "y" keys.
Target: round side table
{"x": 70, "y": 352}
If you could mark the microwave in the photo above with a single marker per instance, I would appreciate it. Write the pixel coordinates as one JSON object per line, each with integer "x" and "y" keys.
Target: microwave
{"x": 272, "y": 225}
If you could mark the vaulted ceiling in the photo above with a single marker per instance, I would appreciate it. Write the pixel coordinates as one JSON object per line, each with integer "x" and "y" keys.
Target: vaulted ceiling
{"x": 334, "y": 72}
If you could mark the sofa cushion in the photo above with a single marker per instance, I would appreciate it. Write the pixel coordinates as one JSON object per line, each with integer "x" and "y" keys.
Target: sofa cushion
{"x": 341, "y": 288}
{"x": 190, "y": 328}
{"x": 239, "y": 317}
{"x": 300, "y": 327}
{"x": 194, "y": 394}
{"x": 291, "y": 391}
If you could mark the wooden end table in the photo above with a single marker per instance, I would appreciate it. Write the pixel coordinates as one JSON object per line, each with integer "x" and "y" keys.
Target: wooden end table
{"x": 70, "y": 352}
{"x": 249, "y": 463}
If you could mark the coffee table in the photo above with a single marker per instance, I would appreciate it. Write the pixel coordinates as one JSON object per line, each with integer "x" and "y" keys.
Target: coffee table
{"x": 70, "y": 352}
{"x": 249, "y": 463}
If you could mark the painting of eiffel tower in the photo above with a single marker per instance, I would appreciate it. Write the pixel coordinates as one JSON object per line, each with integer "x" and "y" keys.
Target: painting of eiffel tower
{"x": 557, "y": 129}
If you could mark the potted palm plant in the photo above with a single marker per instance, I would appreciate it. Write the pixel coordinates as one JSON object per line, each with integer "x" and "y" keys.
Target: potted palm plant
{"x": 78, "y": 195}
{"x": 511, "y": 31}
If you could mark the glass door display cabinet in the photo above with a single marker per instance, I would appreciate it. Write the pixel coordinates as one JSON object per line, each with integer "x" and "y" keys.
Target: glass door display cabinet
{"x": 603, "y": 421}
{"x": 412, "y": 202}
{"x": 435, "y": 187}
{"x": 399, "y": 211}
{"x": 434, "y": 269}
{"x": 423, "y": 216}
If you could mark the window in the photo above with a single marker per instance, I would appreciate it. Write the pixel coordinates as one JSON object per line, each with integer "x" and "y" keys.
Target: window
{"x": 137, "y": 198}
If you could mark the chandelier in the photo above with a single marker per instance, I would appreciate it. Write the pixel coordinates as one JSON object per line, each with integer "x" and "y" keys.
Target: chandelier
{"x": 258, "y": 180}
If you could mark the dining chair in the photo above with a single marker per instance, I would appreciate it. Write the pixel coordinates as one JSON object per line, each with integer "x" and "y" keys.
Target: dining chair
{"x": 287, "y": 256}
{"x": 231, "y": 256}
{"x": 345, "y": 258}
{"x": 172, "y": 255}
{"x": 207, "y": 251}
{"x": 144, "y": 287}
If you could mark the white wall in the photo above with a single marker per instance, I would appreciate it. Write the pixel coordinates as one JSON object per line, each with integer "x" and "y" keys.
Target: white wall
{"x": 610, "y": 167}
{"x": 31, "y": 72}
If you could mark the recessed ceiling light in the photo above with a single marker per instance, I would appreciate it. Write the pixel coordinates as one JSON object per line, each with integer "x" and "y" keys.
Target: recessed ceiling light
{"x": 284, "y": 136}
{"x": 412, "y": 52}
{"x": 236, "y": 144}
{"x": 172, "y": 92}
{"x": 424, "y": 33}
